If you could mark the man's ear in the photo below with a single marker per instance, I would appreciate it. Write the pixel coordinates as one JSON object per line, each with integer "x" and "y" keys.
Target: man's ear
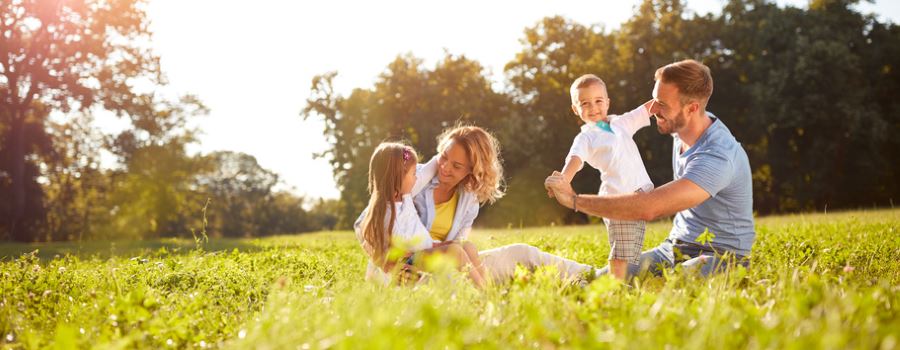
{"x": 693, "y": 107}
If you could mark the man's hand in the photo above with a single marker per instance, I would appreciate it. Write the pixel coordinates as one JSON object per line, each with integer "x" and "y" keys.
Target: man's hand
{"x": 559, "y": 188}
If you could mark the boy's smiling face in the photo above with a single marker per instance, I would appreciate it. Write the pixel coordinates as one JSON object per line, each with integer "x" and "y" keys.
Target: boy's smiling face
{"x": 591, "y": 104}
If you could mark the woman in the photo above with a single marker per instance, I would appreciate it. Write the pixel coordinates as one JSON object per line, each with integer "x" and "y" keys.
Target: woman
{"x": 390, "y": 220}
{"x": 469, "y": 174}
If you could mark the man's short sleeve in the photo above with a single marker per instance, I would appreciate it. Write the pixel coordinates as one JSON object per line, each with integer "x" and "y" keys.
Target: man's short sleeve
{"x": 709, "y": 170}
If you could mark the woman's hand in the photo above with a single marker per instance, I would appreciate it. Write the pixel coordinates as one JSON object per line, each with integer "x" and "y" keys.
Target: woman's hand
{"x": 442, "y": 244}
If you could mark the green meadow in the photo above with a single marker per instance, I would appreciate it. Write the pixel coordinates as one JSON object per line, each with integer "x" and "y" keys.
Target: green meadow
{"x": 816, "y": 281}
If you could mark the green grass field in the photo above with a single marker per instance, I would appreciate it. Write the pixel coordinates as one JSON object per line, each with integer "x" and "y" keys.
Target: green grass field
{"x": 816, "y": 281}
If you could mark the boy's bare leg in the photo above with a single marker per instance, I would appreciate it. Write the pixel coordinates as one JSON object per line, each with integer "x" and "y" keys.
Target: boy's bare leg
{"x": 618, "y": 268}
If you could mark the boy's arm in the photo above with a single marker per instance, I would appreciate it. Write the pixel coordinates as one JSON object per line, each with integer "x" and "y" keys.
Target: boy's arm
{"x": 635, "y": 119}
{"x": 573, "y": 165}
{"x": 581, "y": 148}
{"x": 647, "y": 105}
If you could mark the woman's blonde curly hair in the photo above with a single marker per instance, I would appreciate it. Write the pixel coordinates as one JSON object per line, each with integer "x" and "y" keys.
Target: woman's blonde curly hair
{"x": 486, "y": 180}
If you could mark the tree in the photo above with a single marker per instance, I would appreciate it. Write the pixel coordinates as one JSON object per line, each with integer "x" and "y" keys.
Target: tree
{"x": 813, "y": 117}
{"x": 64, "y": 55}
{"x": 75, "y": 182}
{"x": 154, "y": 193}
{"x": 39, "y": 147}
{"x": 407, "y": 103}
{"x": 238, "y": 188}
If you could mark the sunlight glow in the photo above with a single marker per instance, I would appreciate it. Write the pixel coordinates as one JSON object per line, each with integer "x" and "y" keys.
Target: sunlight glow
{"x": 252, "y": 64}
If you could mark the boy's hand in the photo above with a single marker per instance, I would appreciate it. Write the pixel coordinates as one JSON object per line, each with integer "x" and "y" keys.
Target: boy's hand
{"x": 649, "y": 106}
{"x": 556, "y": 184}
{"x": 549, "y": 191}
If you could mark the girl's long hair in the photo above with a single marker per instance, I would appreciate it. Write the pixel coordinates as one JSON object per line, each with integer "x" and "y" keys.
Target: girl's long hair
{"x": 388, "y": 165}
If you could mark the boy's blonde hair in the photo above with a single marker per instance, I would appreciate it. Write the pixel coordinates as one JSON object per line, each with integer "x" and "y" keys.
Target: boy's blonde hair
{"x": 483, "y": 150}
{"x": 387, "y": 167}
{"x": 583, "y": 82}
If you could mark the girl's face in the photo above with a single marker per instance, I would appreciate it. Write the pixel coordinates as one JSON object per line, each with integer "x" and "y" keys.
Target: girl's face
{"x": 409, "y": 180}
{"x": 453, "y": 165}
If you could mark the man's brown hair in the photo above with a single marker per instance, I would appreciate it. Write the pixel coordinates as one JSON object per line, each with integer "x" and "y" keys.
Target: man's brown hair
{"x": 692, "y": 78}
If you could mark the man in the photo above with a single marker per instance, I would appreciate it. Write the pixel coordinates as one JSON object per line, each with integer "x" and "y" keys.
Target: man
{"x": 712, "y": 190}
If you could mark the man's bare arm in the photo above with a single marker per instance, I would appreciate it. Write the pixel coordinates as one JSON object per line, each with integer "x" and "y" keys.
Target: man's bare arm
{"x": 665, "y": 200}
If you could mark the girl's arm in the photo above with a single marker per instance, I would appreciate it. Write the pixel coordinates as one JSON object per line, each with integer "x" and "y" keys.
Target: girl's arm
{"x": 408, "y": 227}
{"x": 424, "y": 174}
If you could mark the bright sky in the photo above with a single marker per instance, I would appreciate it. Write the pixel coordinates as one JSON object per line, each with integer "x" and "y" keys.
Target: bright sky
{"x": 252, "y": 63}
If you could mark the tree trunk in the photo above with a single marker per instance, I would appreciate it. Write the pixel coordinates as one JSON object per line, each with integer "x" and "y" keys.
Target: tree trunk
{"x": 18, "y": 231}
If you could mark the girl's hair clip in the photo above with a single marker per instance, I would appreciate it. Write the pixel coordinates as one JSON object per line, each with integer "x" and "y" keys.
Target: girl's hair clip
{"x": 406, "y": 155}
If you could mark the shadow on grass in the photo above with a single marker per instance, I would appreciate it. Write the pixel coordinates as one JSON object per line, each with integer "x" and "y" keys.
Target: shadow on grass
{"x": 123, "y": 248}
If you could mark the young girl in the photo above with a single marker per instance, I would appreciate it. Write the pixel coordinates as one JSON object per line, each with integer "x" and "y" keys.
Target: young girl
{"x": 390, "y": 220}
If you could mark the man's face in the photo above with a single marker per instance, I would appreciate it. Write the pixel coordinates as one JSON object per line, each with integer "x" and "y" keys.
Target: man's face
{"x": 667, "y": 107}
{"x": 591, "y": 104}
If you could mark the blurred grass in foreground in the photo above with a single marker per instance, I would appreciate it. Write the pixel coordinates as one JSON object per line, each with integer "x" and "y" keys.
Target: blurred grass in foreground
{"x": 817, "y": 280}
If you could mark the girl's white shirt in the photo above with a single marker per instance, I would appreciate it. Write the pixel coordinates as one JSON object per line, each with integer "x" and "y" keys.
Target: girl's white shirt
{"x": 408, "y": 228}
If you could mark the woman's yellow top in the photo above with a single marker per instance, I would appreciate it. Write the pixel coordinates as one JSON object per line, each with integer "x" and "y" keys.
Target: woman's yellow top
{"x": 443, "y": 218}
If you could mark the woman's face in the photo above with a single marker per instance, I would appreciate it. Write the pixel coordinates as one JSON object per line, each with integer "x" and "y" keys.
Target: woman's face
{"x": 453, "y": 165}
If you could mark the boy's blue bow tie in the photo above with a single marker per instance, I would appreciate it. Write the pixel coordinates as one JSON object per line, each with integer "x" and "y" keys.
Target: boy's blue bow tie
{"x": 604, "y": 126}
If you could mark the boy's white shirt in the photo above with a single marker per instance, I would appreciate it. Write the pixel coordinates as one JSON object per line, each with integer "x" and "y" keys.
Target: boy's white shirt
{"x": 615, "y": 154}
{"x": 408, "y": 228}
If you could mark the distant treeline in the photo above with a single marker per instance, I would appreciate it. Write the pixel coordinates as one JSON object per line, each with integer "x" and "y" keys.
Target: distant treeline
{"x": 810, "y": 93}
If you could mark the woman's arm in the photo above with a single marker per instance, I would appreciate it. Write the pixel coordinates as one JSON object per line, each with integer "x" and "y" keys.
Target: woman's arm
{"x": 468, "y": 219}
